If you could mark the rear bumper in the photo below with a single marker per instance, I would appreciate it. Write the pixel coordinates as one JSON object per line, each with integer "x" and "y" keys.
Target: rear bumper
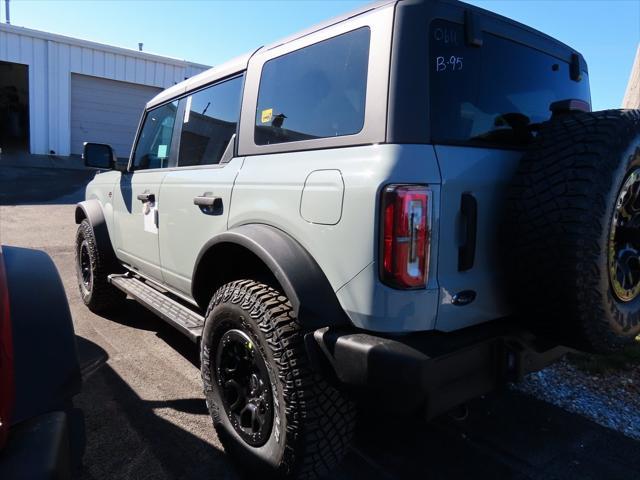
{"x": 434, "y": 370}
{"x": 44, "y": 447}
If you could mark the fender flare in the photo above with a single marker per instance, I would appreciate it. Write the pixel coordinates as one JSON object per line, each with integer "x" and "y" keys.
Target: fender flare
{"x": 92, "y": 211}
{"x": 301, "y": 278}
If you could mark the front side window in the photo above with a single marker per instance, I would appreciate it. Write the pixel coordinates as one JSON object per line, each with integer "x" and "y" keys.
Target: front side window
{"x": 495, "y": 94}
{"x": 316, "y": 92}
{"x": 154, "y": 144}
{"x": 210, "y": 119}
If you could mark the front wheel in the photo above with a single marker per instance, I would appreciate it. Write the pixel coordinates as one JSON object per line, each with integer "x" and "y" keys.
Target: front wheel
{"x": 92, "y": 272}
{"x": 272, "y": 413}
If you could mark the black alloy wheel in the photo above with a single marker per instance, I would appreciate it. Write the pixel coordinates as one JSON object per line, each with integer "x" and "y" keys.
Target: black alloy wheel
{"x": 243, "y": 379}
{"x": 84, "y": 266}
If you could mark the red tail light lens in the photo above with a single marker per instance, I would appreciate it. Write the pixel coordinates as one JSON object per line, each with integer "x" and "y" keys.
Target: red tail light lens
{"x": 6, "y": 358}
{"x": 406, "y": 235}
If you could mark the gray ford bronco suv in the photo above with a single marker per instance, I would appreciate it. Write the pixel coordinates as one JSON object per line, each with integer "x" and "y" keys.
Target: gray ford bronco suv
{"x": 412, "y": 203}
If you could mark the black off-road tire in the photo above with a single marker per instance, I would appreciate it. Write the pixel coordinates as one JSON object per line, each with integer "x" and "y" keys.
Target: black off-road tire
{"x": 560, "y": 213}
{"x": 98, "y": 294}
{"x": 313, "y": 421}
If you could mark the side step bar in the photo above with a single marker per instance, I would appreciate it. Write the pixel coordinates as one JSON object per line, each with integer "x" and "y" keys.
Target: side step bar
{"x": 171, "y": 311}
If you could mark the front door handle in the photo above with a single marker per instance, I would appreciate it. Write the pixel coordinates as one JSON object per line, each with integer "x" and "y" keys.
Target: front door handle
{"x": 147, "y": 197}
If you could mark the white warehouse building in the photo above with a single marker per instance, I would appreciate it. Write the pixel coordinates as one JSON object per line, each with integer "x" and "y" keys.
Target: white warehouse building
{"x": 57, "y": 92}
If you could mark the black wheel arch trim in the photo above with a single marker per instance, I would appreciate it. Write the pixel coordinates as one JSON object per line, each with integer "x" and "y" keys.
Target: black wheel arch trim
{"x": 301, "y": 278}
{"x": 92, "y": 211}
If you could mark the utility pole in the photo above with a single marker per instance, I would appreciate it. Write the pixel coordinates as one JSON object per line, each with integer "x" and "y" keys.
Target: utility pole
{"x": 7, "y": 15}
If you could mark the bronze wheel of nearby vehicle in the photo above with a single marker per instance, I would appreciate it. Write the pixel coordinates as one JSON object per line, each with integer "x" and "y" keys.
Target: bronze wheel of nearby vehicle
{"x": 270, "y": 410}
{"x": 574, "y": 221}
{"x": 624, "y": 240}
{"x": 91, "y": 272}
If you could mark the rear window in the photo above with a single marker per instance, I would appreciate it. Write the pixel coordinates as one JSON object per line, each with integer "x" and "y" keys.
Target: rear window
{"x": 315, "y": 92}
{"x": 494, "y": 94}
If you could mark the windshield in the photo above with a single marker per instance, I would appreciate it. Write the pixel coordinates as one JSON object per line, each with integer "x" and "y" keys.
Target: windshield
{"x": 495, "y": 94}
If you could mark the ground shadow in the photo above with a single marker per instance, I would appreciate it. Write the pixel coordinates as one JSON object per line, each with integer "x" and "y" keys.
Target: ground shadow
{"x": 196, "y": 406}
{"x": 134, "y": 315}
{"x": 507, "y": 435}
{"x": 91, "y": 356}
{"x": 127, "y": 439}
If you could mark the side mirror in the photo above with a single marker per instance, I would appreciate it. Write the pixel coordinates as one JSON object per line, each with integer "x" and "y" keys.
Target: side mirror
{"x": 101, "y": 155}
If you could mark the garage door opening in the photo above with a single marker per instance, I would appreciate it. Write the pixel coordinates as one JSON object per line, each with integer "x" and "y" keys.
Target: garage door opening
{"x": 14, "y": 107}
{"x": 106, "y": 111}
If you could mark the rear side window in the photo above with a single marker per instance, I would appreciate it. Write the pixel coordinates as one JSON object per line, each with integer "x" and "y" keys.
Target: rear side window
{"x": 494, "y": 94}
{"x": 316, "y": 92}
{"x": 210, "y": 120}
{"x": 154, "y": 144}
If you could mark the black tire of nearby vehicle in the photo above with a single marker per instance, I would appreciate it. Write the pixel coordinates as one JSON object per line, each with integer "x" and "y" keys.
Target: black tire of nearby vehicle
{"x": 99, "y": 296}
{"x": 313, "y": 421}
{"x": 560, "y": 213}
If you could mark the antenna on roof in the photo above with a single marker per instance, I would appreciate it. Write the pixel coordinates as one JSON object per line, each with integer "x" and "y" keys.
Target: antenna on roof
{"x": 140, "y": 46}
{"x": 7, "y": 15}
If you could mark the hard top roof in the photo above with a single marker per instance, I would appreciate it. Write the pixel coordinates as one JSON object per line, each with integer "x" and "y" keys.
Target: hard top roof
{"x": 240, "y": 63}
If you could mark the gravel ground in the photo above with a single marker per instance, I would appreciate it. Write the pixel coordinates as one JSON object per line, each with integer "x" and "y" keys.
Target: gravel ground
{"x": 611, "y": 399}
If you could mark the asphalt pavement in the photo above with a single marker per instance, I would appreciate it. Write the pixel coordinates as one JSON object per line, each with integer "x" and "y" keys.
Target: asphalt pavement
{"x": 146, "y": 416}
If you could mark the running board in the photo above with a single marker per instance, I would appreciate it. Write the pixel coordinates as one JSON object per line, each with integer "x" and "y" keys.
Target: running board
{"x": 171, "y": 311}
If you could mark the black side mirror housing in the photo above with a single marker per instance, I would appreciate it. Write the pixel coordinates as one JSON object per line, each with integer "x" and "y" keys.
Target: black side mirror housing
{"x": 101, "y": 155}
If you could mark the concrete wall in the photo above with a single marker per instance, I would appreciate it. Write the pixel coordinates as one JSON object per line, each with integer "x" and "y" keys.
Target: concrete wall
{"x": 51, "y": 60}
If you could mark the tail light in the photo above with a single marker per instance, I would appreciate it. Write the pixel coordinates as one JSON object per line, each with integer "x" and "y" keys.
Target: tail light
{"x": 6, "y": 358}
{"x": 406, "y": 235}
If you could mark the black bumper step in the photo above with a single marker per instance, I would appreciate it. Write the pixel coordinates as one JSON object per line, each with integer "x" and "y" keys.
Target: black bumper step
{"x": 171, "y": 311}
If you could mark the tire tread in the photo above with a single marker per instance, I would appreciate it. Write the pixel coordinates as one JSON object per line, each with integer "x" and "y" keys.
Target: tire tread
{"x": 103, "y": 296}
{"x": 559, "y": 210}
{"x": 320, "y": 419}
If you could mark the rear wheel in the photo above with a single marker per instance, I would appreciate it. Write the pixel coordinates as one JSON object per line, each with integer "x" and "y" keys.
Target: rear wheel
{"x": 272, "y": 413}
{"x": 92, "y": 272}
{"x": 575, "y": 230}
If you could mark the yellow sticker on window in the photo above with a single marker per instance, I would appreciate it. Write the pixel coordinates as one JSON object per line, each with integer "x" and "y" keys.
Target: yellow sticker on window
{"x": 267, "y": 115}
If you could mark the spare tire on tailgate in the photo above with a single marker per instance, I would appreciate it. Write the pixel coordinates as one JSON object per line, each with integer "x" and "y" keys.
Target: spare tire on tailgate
{"x": 574, "y": 230}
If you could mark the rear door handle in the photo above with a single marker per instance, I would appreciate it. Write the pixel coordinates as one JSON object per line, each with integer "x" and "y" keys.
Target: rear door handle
{"x": 206, "y": 201}
{"x": 209, "y": 205}
{"x": 147, "y": 197}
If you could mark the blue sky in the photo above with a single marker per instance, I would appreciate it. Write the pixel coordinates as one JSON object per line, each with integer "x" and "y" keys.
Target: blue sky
{"x": 607, "y": 32}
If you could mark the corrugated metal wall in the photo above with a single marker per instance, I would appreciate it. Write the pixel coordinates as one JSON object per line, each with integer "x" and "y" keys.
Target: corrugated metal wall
{"x": 52, "y": 59}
